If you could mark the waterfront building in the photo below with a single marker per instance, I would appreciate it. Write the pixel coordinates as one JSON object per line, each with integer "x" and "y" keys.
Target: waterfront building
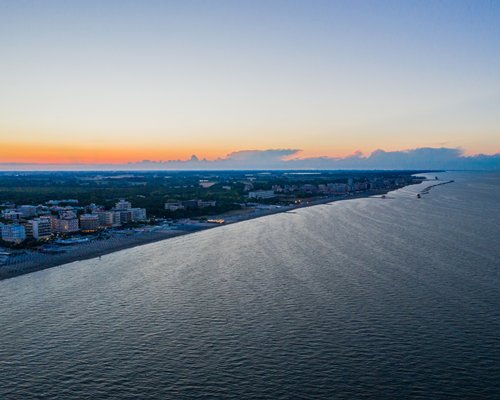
{"x": 105, "y": 218}
{"x": 39, "y": 228}
{"x": 125, "y": 216}
{"x": 67, "y": 223}
{"x": 308, "y": 188}
{"x": 261, "y": 194}
{"x": 116, "y": 218}
{"x": 89, "y": 222}
{"x": 337, "y": 188}
{"x": 13, "y": 233}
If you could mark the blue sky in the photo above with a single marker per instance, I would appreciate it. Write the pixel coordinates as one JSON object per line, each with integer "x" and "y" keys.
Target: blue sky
{"x": 118, "y": 81}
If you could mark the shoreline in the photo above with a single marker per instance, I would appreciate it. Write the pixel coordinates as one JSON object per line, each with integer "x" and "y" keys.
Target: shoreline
{"x": 95, "y": 249}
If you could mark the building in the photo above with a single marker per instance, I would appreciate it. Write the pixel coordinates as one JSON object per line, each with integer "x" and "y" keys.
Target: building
{"x": 261, "y": 194}
{"x": 39, "y": 228}
{"x": 125, "y": 216}
{"x": 67, "y": 214}
{"x": 12, "y": 215}
{"x": 191, "y": 204}
{"x": 27, "y": 211}
{"x": 337, "y": 188}
{"x": 123, "y": 205}
{"x": 207, "y": 203}
{"x": 67, "y": 223}
{"x": 174, "y": 206}
{"x": 205, "y": 184}
{"x": 105, "y": 218}
{"x": 196, "y": 203}
{"x": 13, "y": 233}
{"x": 64, "y": 201}
{"x": 117, "y": 218}
{"x": 138, "y": 214}
{"x": 89, "y": 222}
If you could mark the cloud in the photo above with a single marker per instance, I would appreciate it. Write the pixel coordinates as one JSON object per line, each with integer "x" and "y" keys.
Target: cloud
{"x": 421, "y": 158}
{"x": 258, "y": 156}
{"x": 415, "y": 159}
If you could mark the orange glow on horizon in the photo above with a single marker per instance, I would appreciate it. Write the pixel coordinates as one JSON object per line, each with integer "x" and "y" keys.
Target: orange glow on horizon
{"x": 63, "y": 154}
{"x": 66, "y": 154}
{"x": 42, "y": 153}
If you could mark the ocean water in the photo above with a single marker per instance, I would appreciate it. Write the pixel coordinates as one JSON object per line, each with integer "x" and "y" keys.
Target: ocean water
{"x": 370, "y": 298}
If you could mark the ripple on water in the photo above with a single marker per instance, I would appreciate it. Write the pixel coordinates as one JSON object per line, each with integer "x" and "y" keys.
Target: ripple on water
{"x": 394, "y": 298}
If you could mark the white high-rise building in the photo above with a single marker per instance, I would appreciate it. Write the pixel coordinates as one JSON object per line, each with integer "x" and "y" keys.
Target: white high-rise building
{"x": 39, "y": 228}
{"x": 123, "y": 205}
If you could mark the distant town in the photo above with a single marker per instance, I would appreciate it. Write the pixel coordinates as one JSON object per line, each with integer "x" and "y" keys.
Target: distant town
{"x": 45, "y": 214}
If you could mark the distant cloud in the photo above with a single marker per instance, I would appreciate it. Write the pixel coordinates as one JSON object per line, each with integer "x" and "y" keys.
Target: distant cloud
{"x": 420, "y": 158}
{"x": 259, "y": 156}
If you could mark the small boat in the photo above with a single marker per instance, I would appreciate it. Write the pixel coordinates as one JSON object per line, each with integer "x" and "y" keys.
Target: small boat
{"x": 418, "y": 196}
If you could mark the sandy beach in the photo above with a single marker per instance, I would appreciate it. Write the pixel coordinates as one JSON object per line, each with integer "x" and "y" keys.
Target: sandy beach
{"x": 37, "y": 261}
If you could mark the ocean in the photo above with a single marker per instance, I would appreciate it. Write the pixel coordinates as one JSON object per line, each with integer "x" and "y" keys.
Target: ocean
{"x": 368, "y": 298}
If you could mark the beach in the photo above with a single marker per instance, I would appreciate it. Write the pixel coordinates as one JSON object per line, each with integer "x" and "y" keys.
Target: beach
{"x": 37, "y": 261}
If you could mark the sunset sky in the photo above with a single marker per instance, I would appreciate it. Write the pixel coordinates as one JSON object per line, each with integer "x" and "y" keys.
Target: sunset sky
{"x": 119, "y": 81}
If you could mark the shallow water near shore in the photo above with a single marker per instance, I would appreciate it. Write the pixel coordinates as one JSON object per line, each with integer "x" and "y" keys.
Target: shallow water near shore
{"x": 375, "y": 298}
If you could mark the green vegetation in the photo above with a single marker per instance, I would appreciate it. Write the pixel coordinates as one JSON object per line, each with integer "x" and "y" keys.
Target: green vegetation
{"x": 152, "y": 189}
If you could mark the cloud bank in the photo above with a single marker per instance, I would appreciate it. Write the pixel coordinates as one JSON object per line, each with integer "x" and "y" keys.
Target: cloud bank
{"x": 420, "y": 158}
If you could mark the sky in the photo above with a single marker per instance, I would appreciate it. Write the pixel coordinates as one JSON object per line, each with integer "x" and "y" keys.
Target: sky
{"x": 117, "y": 82}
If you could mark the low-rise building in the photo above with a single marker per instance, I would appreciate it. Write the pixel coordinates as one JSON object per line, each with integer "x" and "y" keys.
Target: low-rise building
{"x": 27, "y": 211}
{"x": 261, "y": 194}
{"x": 196, "y": 203}
{"x": 12, "y": 215}
{"x": 207, "y": 203}
{"x": 174, "y": 206}
{"x": 138, "y": 214}
{"x": 205, "y": 184}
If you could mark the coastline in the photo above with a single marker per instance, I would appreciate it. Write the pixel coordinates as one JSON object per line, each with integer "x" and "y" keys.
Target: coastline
{"x": 107, "y": 246}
